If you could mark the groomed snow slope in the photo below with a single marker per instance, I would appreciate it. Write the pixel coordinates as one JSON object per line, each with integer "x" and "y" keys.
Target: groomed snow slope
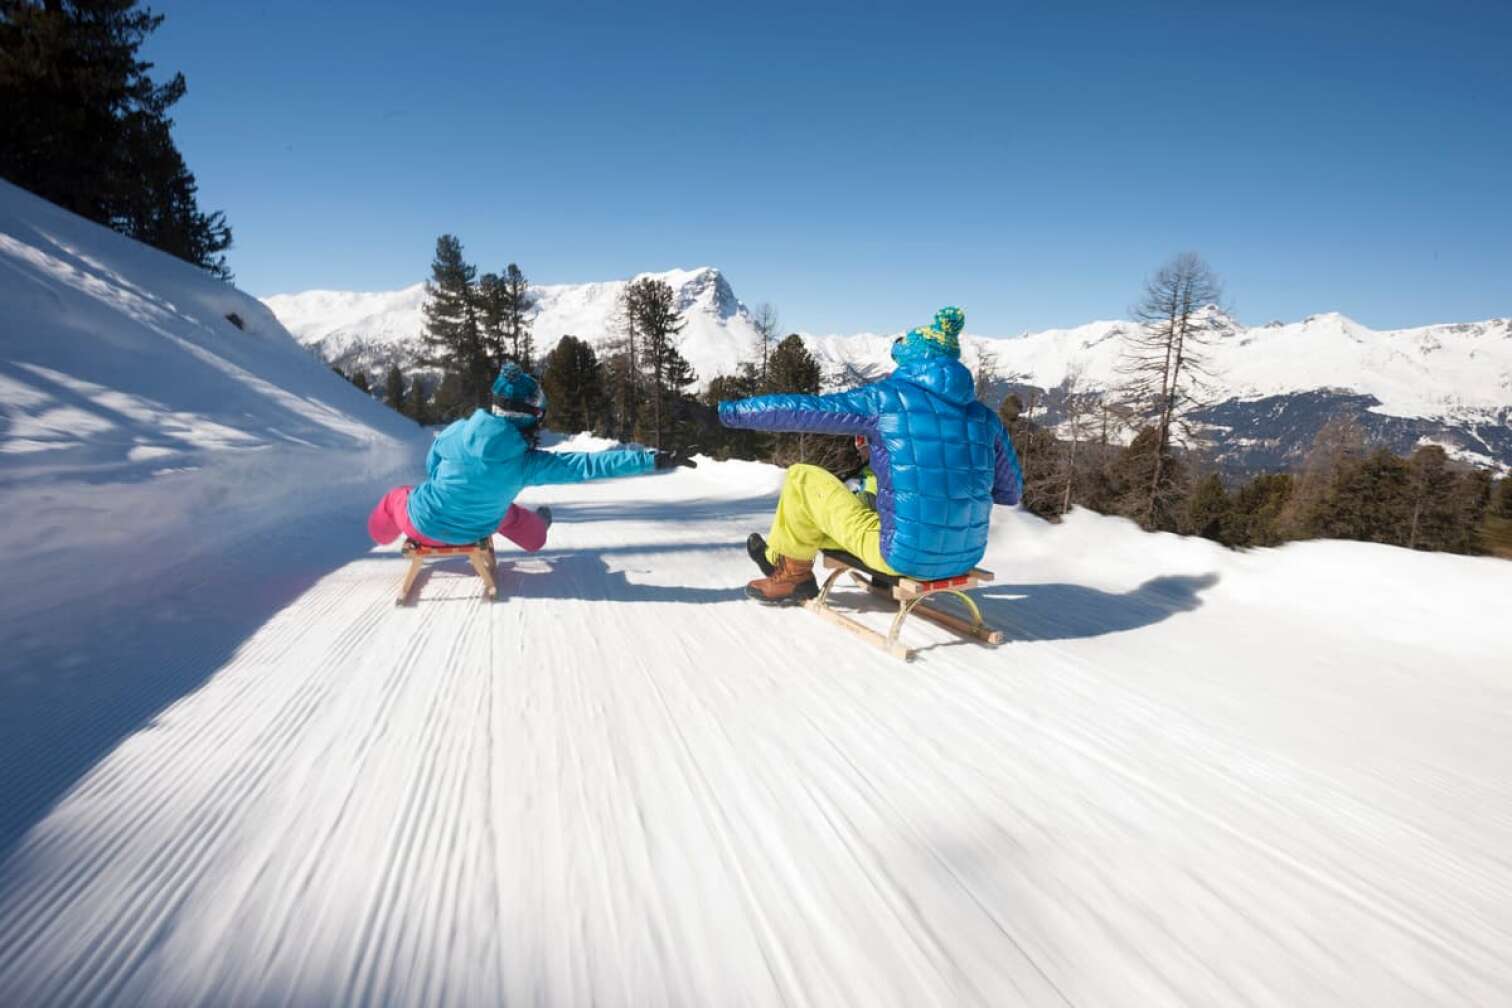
{"x": 1191, "y": 777}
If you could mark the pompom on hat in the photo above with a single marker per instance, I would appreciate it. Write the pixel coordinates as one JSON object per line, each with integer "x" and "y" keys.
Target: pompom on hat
{"x": 941, "y": 338}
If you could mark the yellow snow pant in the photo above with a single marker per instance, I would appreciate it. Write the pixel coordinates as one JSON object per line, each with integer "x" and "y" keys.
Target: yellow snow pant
{"x": 815, "y": 511}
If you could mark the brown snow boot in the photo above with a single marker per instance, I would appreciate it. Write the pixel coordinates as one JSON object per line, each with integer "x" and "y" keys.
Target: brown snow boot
{"x": 791, "y": 583}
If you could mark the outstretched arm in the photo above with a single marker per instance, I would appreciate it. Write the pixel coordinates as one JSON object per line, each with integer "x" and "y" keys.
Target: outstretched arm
{"x": 579, "y": 467}
{"x": 1007, "y": 477}
{"x": 850, "y": 412}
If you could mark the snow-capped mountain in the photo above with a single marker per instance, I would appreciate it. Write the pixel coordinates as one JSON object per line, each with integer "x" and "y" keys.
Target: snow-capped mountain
{"x": 1272, "y": 385}
{"x": 369, "y": 332}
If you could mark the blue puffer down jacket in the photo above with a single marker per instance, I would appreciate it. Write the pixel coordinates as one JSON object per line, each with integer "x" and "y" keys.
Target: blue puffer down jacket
{"x": 942, "y": 459}
{"x": 479, "y": 465}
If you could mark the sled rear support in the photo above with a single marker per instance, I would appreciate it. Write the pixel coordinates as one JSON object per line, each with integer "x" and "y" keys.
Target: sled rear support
{"x": 480, "y": 554}
{"x": 911, "y": 595}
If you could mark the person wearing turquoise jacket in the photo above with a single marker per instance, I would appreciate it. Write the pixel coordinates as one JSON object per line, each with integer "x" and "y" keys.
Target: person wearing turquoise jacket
{"x": 478, "y": 466}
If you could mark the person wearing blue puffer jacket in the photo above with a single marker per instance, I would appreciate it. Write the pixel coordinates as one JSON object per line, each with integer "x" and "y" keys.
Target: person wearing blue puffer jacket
{"x": 478, "y": 466}
{"x": 941, "y": 459}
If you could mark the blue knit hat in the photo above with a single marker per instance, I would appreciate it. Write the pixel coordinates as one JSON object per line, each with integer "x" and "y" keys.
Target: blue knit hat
{"x": 518, "y": 397}
{"x": 941, "y": 338}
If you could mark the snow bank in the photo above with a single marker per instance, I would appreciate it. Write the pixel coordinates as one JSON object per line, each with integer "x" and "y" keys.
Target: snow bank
{"x": 150, "y": 412}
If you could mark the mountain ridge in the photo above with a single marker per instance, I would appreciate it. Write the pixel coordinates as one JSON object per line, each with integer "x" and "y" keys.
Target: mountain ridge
{"x": 1449, "y": 383}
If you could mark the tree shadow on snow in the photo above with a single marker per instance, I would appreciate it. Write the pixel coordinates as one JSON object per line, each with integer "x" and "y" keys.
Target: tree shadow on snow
{"x": 1067, "y": 611}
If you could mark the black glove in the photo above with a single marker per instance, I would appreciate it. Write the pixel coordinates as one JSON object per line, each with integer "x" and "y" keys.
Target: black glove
{"x": 668, "y": 459}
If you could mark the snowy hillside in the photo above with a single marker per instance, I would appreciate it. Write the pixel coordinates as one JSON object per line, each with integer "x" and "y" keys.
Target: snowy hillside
{"x": 372, "y": 331}
{"x": 1275, "y": 384}
{"x": 148, "y": 411}
{"x": 1191, "y": 777}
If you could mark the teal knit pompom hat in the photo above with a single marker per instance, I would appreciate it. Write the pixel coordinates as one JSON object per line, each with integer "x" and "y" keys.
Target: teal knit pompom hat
{"x": 941, "y": 338}
{"x": 518, "y": 397}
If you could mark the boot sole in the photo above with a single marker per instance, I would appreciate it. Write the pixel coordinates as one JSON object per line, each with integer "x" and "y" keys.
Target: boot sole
{"x": 797, "y": 597}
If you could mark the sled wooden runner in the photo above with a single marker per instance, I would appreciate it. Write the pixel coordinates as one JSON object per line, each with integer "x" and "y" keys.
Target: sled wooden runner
{"x": 910, "y": 594}
{"x": 480, "y": 554}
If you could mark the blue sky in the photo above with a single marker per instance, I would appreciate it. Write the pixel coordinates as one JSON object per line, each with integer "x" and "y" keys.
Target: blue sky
{"x": 859, "y": 165}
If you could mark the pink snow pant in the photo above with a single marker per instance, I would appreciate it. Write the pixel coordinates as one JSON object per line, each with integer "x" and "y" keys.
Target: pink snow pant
{"x": 390, "y": 520}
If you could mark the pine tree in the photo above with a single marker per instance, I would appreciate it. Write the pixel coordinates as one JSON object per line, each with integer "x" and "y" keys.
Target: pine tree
{"x": 86, "y": 127}
{"x": 393, "y": 388}
{"x": 1254, "y": 516}
{"x": 1469, "y": 503}
{"x": 452, "y": 337}
{"x": 452, "y": 400}
{"x": 1207, "y": 509}
{"x": 677, "y": 375}
{"x": 517, "y": 303}
{"x": 1504, "y": 498}
{"x": 729, "y": 442}
{"x": 360, "y": 379}
{"x": 623, "y": 368}
{"x": 1369, "y": 499}
{"x": 1433, "y": 522}
{"x": 573, "y": 381}
{"x": 652, "y": 306}
{"x": 491, "y": 311}
{"x": 792, "y": 368}
{"x": 417, "y": 405}
{"x": 1339, "y": 442}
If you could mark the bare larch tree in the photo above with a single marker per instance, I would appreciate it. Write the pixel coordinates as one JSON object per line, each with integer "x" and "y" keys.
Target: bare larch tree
{"x": 766, "y": 324}
{"x": 1164, "y": 358}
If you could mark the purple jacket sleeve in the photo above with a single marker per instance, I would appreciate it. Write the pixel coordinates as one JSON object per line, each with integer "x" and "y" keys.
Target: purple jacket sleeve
{"x": 1007, "y": 477}
{"x": 852, "y": 412}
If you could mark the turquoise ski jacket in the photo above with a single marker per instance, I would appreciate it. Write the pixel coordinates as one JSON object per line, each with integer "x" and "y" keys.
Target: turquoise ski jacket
{"x": 479, "y": 465}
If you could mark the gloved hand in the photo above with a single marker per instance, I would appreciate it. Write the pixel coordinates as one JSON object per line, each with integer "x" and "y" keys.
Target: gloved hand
{"x": 668, "y": 459}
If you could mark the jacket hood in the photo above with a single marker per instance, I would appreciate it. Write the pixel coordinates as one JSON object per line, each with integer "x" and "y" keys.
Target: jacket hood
{"x": 943, "y": 376}
{"x": 491, "y": 438}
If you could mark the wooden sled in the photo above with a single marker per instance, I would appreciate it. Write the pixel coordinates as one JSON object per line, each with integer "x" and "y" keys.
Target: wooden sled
{"x": 910, "y": 594}
{"x": 480, "y": 554}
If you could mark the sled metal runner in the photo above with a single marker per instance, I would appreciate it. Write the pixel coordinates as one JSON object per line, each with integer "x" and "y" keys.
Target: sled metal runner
{"x": 911, "y": 595}
{"x": 480, "y": 554}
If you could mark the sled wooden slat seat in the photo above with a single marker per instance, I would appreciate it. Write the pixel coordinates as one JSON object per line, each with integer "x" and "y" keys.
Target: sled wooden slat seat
{"x": 480, "y": 554}
{"x": 910, "y": 594}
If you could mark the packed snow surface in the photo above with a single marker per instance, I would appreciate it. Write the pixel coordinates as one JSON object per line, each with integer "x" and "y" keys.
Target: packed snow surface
{"x": 1191, "y": 776}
